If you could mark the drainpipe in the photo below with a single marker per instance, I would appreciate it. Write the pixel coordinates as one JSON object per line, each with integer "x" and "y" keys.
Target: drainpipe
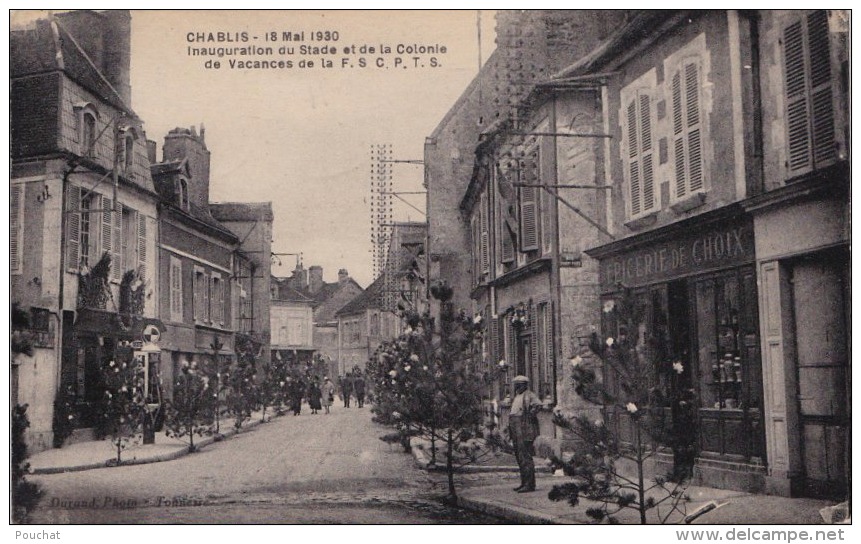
{"x": 555, "y": 279}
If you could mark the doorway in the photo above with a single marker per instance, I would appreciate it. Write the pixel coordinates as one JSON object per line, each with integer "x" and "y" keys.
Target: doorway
{"x": 820, "y": 298}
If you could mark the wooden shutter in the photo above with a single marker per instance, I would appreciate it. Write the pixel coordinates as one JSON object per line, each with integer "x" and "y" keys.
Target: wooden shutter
{"x": 634, "y": 162}
{"x": 808, "y": 88}
{"x": 535, "y": 348}
{"x": 107, "y": 230}
{"x": 528, "y": 203}
{"x": 549, "y": 349}
{"x": 506, "y": 238}
{"x": 142, "y": 245}
{"x": 117, "y": 242}
{"x": 493, "y": 326}
{"x": 16, "y": 198}
{"x": 196, "y": 298}
{"x": 687, "y": 130}
{"x": 73, "y": 228}
{"x": 484, "y": 236}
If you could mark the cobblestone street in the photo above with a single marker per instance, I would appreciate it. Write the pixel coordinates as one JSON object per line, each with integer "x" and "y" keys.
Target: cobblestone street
{"x": 307, "y": 469}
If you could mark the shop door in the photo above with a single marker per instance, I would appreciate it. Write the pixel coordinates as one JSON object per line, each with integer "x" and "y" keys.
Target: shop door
{"x": 819, "y": 289}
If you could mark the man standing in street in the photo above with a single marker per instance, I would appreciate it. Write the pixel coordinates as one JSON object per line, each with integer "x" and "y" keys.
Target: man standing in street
{"x": 523, "y": 428}
{"x": 359, "y": 388}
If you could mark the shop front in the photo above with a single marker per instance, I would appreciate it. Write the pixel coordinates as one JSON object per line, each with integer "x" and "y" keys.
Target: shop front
{"x": 692, "y": 289}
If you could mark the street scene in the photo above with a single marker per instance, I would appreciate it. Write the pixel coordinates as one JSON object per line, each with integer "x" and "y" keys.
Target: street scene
{"x": 466, "y": 267}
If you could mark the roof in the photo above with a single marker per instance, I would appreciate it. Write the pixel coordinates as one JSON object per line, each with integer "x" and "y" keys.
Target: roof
{"x": 176, "y": 166}
{"x": 49, "y": 46}
{"x": 645, "y": 23}
{"x": 242, "y": 211}
{"x": 288, "y": 294}
{"x": 366, "y": 300}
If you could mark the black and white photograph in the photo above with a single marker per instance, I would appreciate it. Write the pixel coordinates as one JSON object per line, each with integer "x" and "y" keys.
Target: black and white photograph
{"x": 431, "y": 267}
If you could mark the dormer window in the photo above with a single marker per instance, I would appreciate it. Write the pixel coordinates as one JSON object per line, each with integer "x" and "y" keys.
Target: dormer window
{"x": 182, "y": 193}
{"x": 87, "y": 114}
{"x": 128, "y": 152}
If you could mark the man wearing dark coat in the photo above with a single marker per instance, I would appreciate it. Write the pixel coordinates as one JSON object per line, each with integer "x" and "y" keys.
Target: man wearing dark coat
{"x": 359, "y": 387}
{"x": 346, "y": 389}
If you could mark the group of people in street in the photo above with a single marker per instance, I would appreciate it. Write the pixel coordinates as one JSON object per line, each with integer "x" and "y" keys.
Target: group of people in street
{"x": 320, "y": 394}
{"x": 353, "y": 383}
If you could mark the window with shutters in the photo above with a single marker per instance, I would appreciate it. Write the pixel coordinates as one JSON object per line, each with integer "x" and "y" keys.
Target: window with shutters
{"x": 638, "y": 154}
{"x": 808, "y": 80}
{"x": 176, "y": 289}
{"x": 528, "y": 196}
{"x": 129, "y": 246}
{"x": 128, "y": 153}
{"x": 484, "y": 234}
{"x": 199, "y": 293}
{"x": 16, "y": 231}
{"x": 217, "y": 299}
{"x": 687, "y": 125}
{"x": 476, "y": 248}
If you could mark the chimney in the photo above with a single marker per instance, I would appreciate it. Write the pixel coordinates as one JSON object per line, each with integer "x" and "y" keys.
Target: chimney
{"x": 299, "y": 279}
{"x": 315, "y": 279}
{"x": 343, "y": 276}
{"x": 151, "y": 151}
{"x": 118, "y": 44}
{"x": 184, "y": 143}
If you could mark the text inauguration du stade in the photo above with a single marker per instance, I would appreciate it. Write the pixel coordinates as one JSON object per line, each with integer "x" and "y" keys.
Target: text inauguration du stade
{"x": 304, "y": 49}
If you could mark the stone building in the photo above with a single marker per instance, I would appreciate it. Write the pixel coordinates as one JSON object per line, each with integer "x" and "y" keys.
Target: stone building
{"x": 82, "y": 209}
{"x": 701, "y": 167}
{"x": 196, "y": 258}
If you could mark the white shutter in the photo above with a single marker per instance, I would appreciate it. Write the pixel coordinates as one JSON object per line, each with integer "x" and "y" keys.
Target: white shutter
{"x": 73, "y": 228}
{"x": 641, "y": 171}
{"x": 117, "y": 264}
{"x": 484, "y": 235}
{"x": 16, "y": 199}
{"x": 687, "y": 130}
{"x": 142, "y": 245}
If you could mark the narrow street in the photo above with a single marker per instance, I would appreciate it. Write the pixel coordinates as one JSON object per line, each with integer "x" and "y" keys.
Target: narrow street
{"x": 306, "y": 469}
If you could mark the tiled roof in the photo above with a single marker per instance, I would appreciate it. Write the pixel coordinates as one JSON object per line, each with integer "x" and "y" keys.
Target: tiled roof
{"x": 242, "y": 211}
{"x": 38, "y": 50}
{"x": 366, "y": 300}
{"x": 288, "y": 294}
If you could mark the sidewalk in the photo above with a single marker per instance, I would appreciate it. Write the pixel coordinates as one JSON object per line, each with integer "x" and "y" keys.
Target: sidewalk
{"x": 738, "y": 508}
{"x": 735, "y": 507}
{"x": 102, "y": 453}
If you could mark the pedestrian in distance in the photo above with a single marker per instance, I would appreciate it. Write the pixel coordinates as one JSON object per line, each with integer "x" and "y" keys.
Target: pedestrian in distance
{"x": 346, "y": 389}
{"x": 359, "y": 388}
{"x": 328, "y": 390}
{"x": 315, "y": 395}
{"x": 296, "y": 390}
{"x": 523, "y": 429}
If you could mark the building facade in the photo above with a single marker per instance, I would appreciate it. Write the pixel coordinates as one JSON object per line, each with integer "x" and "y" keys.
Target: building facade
{"x": 83, "y": 210}
{"x": 697, "y": 164}
{"x": 196, "y": 258}
{"x": 292, "y": 315}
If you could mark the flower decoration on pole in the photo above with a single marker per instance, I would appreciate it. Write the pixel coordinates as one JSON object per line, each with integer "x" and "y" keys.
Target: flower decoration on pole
{"x": 678, "y": 367}
{"x": 519, "y": 316}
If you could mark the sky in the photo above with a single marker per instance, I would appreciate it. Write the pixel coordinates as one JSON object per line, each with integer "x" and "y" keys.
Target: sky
{"x": 301, "y": 137}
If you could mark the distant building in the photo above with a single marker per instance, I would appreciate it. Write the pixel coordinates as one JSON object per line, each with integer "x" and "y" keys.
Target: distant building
{"x": 292, "y": 317}
{"x": 326, "y": 298}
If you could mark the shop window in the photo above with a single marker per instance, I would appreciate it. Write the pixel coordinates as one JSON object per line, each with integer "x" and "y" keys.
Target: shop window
{"x": 808, "y": 80}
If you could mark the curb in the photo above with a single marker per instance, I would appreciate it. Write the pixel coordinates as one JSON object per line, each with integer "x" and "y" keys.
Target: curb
{"x": 181, "y": 452}
{"x": 511, "y": 513}
{"x": 423, "y": 463}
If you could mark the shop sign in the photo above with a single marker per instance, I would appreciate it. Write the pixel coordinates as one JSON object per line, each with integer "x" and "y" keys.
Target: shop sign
{"x": 689, "y": 253}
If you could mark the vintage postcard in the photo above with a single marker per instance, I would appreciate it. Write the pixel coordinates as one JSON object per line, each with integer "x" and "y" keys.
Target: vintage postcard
{"x": 470, "y": 267}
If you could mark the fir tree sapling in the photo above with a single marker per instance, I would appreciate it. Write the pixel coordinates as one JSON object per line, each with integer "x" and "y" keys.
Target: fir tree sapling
{"x": 648, "y": 397}
{"x": 191, "y": 412}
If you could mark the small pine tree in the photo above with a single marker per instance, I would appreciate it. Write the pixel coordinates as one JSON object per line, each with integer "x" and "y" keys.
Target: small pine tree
{"x": 427, "y": 384}
{"x": 243, "y": 393}
{"x": 643, "y": 392}
{"x": 192, "y": 411}
{"x": 25, "y": 495}
{"x": 124, "y": 405}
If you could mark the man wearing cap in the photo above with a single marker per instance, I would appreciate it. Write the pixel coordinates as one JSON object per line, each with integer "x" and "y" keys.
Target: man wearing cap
{"x": 523, "y": 428}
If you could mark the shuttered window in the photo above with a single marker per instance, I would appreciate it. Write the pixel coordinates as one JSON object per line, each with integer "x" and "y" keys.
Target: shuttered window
{"x": 484, "y": 239}
{"x": 141, "y": 241}
{"x": 16, "y": 223}
{"x": 639, "y": 159}
{"x": 107, "y": 229}
{"x": 685, "y": 88}
{"x": 507, "y": 223}
{"x": 528, "y": 202}
{"x": 476, "y": 248}
{"x": 217, "y": 300}
{"x": 73, "y": 228}
{"x": 198, "y": 293}
{"x": 175, "y": 289}
{"x": 810, "y": 133}
{"x": 117, "y": 243}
